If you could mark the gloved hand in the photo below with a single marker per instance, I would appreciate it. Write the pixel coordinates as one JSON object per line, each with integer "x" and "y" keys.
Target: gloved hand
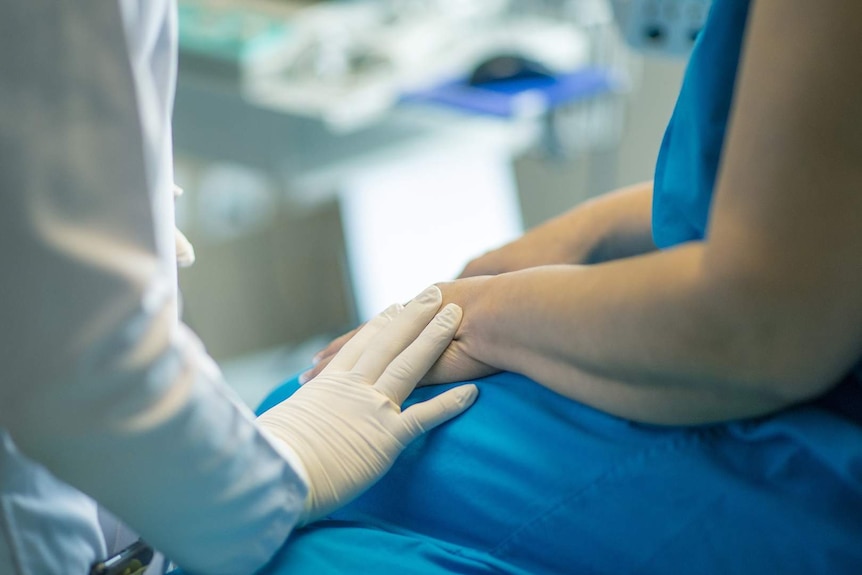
{"x": 456, "y": 363}
{"x": 346, "y": 425}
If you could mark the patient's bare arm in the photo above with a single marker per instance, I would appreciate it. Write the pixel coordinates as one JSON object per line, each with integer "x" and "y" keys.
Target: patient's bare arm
{"x": 612, "y": 226}
{"x": 616, "y": 225}
{"x": 766, "y": 311}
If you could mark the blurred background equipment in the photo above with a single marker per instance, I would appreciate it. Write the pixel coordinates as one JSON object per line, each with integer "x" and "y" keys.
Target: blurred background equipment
{"x": 668, "y": 27}
{"x": 338, "y": 156}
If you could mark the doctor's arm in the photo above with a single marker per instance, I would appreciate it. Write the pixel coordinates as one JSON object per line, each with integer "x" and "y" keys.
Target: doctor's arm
{"x": 767, "y": 311}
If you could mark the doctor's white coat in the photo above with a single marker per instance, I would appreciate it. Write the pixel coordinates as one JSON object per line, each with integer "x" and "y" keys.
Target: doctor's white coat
{"x": 102, "y": 391}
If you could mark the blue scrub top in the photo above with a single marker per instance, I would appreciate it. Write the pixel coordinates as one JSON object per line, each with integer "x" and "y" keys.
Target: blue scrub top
{"x": 691, "y": 150}
{"x": 690, "y": 153}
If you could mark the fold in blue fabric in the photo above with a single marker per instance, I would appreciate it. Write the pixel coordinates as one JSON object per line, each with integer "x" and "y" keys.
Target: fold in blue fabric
{"x": 527, "y": 481}
{"x": 693, "y": 142}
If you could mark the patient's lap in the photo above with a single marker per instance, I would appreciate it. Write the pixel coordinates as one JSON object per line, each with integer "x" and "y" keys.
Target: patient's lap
{"x": 529, "y": 482}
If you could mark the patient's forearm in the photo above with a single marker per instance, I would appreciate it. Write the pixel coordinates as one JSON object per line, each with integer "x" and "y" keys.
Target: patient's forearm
{"x": 650, "y": 402}
{"x": 615, "y": 225}
{"x": 651, "y": 338}
{"x": 612, "y": 226}
{"x": 621, "y": 223}
{"x": 767, "y": 311}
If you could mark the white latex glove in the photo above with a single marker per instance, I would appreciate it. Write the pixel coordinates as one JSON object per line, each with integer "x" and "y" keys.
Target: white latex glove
{"x": 346, "y": 425}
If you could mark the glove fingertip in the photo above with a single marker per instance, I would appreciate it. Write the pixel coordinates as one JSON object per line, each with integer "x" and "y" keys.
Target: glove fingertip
{"x": 427, "y": 415}
{"x": 466, "y": 395}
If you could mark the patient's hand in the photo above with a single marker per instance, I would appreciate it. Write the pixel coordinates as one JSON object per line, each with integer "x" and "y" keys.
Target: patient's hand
{"x": 459, "y": 361}
{"x": 456, "y": 364}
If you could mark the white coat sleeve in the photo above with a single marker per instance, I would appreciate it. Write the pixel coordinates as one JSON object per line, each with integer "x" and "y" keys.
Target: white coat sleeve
{"x": 98, "y": 380}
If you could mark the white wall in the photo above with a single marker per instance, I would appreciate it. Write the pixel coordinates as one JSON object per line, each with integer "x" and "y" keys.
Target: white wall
{"x": 549, "y": 186}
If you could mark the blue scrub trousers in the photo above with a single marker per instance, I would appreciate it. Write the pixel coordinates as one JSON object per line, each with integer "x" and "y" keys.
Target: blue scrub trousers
{"x": 528, "y": 482}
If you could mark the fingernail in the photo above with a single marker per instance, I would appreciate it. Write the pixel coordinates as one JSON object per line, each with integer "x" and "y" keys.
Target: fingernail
{"x": 431, "y": 294}
{"x": 392, "y": 311}
{"x": 450, "y": 312}
{"x": 452, "y": 309}
{"x": 304, "y": 377}
{"x": 467, "y": 394}
{"x": 316, "y": 358}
